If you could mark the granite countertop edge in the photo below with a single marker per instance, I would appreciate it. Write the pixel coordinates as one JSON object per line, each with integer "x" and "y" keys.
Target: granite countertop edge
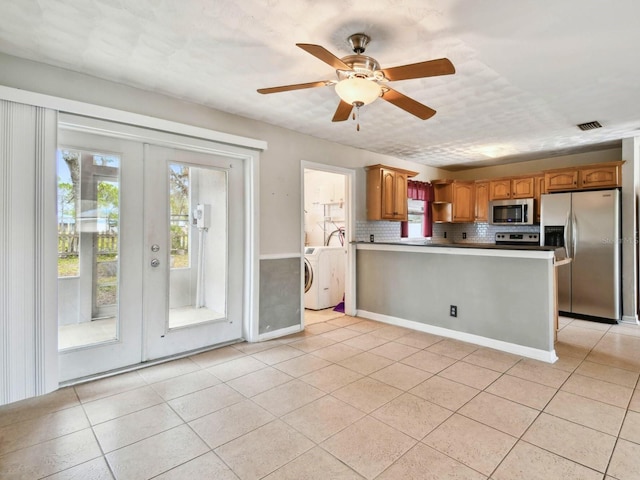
{"x": 483, "y": 246}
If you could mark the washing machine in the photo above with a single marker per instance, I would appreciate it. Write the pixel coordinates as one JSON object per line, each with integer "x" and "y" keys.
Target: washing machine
{"x": 324, "y": 276}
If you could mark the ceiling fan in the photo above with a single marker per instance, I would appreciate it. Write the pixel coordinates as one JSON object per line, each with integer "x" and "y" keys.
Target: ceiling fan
{"x": 361, "y": 80}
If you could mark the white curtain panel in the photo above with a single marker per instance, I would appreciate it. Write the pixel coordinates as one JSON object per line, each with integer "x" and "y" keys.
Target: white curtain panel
{"x": 28, "y": 251}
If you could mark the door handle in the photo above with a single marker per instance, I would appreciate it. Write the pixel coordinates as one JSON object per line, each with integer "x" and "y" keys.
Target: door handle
{"x": 155, "y": 262}
{"x": 567, "y": 248}
{"x": 574, "y": 234}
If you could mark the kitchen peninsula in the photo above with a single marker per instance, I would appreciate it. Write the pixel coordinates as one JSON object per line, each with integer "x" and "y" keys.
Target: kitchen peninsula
{"x": 504, "y": 297}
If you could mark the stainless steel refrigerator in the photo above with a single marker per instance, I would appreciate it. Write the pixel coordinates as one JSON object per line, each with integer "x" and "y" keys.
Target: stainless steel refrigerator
{"x": 587, "y": 225}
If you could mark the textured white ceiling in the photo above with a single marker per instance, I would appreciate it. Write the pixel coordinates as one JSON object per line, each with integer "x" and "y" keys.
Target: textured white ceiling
{"x": 527, "y": 71}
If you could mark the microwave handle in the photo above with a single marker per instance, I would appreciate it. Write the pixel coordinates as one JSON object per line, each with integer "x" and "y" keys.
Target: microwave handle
{"x": 526, "y": 213}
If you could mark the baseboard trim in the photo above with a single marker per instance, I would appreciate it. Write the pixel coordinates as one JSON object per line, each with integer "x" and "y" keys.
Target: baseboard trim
{"x": 529, "y": 352}
{"x": 279, "y": 333}
{"x": 632, "y": 319}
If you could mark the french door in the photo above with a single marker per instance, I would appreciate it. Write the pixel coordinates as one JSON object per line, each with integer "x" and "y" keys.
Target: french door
{"x": 150, "y": 251}
{"x": 193, "y": 295}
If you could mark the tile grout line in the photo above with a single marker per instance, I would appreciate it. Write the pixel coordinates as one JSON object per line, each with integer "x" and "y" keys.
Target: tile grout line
{"x": 521, "y": 438}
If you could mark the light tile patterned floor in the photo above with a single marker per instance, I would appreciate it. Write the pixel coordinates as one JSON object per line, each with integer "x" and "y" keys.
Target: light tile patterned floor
{"x": 346, "y": 399}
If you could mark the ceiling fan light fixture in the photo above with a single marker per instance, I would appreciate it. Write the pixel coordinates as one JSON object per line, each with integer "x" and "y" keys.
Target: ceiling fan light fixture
{"x": 358, "y": 90}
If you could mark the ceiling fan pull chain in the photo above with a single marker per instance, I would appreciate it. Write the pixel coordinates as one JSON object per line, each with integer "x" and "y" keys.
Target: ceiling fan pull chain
{"x": 356, "y": 115}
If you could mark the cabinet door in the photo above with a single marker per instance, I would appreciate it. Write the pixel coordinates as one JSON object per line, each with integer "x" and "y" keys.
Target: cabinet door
{"x": 500, "y": 189}
{"x": 522, "y": 187}
{"x": 463, "y": 201}
{"x": 608, "y": 176}
{"x": 538, "y": 184}
{"x": 400, "y": 197}
{"x": 388, "y": 194}
{"x": 561, "y": 181}
{"x": 482, "y": 202}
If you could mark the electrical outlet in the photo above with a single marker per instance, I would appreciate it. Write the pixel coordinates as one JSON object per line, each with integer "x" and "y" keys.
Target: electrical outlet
{"x": 453, "y": 311}
{"x": 371, "y": 238}
{"x": 464, "y": 235}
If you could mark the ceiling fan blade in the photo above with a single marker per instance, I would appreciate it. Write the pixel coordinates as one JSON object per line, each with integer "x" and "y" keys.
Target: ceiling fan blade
{"x": 408, "y": 104}
{"x": 342, "y": 112}
{"x": 430, "y": 68}
{"x": 325, "y": 55}
{"x": 297, "y": 86}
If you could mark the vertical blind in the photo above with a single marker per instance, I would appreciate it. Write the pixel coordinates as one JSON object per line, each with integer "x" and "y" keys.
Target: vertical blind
{"x": 28, "y": 296}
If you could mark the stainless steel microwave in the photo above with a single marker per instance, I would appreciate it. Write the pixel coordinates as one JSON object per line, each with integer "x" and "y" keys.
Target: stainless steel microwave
{"x": 518, "y": 211}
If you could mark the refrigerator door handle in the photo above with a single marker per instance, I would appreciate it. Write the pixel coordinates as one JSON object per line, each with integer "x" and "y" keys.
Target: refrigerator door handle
{"x": 567, "y": 248}
{"x": 574, "y": 234}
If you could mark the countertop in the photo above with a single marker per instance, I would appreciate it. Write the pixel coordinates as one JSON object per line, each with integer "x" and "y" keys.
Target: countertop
{"x": 487, "y": 246}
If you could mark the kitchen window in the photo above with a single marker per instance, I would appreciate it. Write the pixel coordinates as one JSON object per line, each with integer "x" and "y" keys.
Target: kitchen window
{"x": 418, "y": 225}
{"x": 415, "y": 218}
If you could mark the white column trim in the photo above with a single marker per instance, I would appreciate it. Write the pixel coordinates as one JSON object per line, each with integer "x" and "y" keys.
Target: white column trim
{"x": 45, "y": 254}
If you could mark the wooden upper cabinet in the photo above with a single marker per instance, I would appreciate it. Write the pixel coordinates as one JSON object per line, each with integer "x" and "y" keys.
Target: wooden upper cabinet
{"x": 482, "y": 202}
{"x": 463, "y": 201}
{"x": 561, "y": 180}
{"x": 441, "y": 211}
{"x": 511, "y": 187}
{"x": 393, "y": 195}
{"x": 600, "y": 176}
{"x": 522, "y": 187}
{"x": 500, "y": 189}
{"x": 454, "y": 201}
{"x": 538, "y": 189}
{"x": 387, "y": 193}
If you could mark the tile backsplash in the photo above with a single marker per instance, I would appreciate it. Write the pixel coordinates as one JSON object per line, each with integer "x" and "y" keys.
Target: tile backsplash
{"x": 381, "y": 230}
{"x": 476, "y": 232}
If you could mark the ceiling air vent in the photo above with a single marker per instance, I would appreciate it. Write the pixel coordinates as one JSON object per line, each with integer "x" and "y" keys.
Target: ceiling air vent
{"x": 589, "y": 125}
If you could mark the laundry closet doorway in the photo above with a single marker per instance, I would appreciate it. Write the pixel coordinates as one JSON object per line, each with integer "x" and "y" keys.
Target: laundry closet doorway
{"x": 151, "y": 231}
{"x": 326, "y": 234}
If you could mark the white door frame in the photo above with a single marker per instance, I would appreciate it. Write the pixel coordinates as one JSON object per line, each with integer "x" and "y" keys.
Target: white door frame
{"x": 252, "y": 146}
{"x": 349, "y": 225}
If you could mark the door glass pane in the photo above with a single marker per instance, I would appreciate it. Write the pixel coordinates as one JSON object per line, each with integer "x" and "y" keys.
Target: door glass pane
{"x": 88, "y": 242}
{"x": 198, "y": 239}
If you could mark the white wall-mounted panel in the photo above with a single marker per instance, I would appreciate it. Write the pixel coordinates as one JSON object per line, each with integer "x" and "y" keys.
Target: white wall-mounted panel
{"x": 28, "y": 330}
